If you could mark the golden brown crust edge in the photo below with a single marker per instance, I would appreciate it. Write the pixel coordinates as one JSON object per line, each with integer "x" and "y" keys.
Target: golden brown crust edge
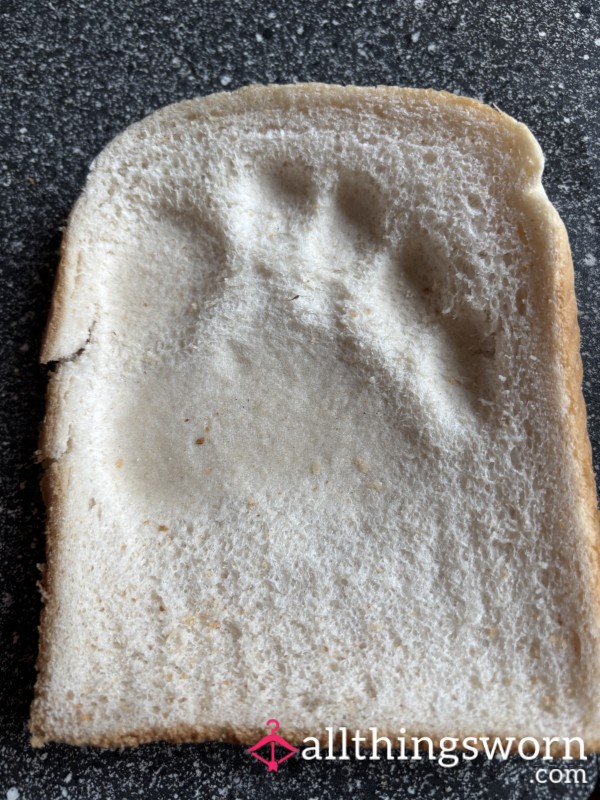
{"x": 55, "y": 481}
{"x": 300, "y": 97}
{"x": 572, "y": 365}
{"x": 58, "y": 303}
{"x": 54, "y": 491}
{"x": 248, "y": 736}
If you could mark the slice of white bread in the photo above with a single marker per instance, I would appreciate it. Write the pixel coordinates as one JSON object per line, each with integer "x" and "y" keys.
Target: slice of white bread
{"x": 316, "y": 446}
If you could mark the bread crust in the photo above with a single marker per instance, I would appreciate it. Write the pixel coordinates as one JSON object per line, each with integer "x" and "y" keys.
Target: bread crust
{"x": 568, "y": 337}
{"x": 56, "y": 483}
{"x": 300, "y": 97}
{"x": 247, "y": 736}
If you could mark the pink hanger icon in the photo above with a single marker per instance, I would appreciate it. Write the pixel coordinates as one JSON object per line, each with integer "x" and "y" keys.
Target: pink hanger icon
{"x": 272, "y": 739}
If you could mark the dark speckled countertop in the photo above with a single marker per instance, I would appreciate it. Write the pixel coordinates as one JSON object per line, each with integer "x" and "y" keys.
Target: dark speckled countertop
{"x": 76, "y": 72}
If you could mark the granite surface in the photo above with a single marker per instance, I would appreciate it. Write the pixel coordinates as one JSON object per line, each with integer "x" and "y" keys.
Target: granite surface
{"x": 76, "y": 72}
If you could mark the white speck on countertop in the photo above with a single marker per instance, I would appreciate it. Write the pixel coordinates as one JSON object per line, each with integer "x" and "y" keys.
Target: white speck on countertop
{"x": 12, "y": 794}
{"x": 225, "y": 80}
{"x": 589, "y": 260}
{"x": 415, "y": 36}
